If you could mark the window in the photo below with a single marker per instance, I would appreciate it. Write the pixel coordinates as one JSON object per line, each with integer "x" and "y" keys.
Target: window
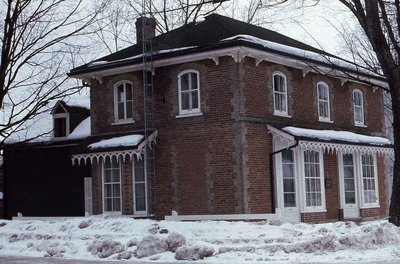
{"x": 323, "y": 102}
{"x": 368, "y": 179}
{"x": 280, "y": 94}
{"x": 61, "y": 125}
{"x": 289, "y": 193}
{"x": 349, "y": 180}
{"x": 358, "y": 104}
{"x": 123, "y": 101}
{"x": 111, "y": 185}
{"x": 313, "y": 179}
{"x": 189, "y": 92}
{"x": 139, "y": 187}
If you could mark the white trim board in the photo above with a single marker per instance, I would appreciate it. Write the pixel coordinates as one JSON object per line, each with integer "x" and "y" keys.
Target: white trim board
{"x": 227, "y": 217}
{"x": 238, "y": 53}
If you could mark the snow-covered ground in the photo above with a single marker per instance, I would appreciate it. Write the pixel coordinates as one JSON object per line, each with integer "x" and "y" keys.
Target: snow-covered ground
{"x": 110, "y": 238}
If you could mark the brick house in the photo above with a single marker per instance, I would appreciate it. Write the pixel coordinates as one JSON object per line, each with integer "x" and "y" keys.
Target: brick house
{"x": 246, "y": 121}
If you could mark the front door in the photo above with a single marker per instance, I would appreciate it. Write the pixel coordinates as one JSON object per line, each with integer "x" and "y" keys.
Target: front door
{"x": 288, "y": 197}
{"x": 349, "y": 188}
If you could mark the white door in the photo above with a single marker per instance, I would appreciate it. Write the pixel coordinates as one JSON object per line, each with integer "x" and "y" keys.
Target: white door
{"x": 287, "y": 191}
{"x": 349, "y": 188}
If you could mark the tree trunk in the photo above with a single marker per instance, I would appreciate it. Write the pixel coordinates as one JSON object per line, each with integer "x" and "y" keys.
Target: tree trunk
{"x": 394, "y": 211}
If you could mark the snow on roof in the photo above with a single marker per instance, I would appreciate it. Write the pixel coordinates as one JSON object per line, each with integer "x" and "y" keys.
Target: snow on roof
{"x": 336, "y": 135}
{"x": 81, "y": 131}
{"x": 124, "y": 141}
{"x": 303, "y": 53}
{"x": 40, "y": 128}
{"x": 82, "y": 100}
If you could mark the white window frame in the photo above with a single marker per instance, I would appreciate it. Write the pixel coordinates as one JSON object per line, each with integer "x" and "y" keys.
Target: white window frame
{"x": 120, "y": 187}
{"x": 322, "y": 207}
{"x": 320, "y": 100}
{"x": 358, "y": 122}
{"x": 142, "y": 212}
{"x": 280, "y": 112}
{"x": 376, "y": 185}
{"x": 191, "y": 111}
{"x": 59, "y": 116}
{"x": 125, "y": 119}
{"x": 88, "y": 193}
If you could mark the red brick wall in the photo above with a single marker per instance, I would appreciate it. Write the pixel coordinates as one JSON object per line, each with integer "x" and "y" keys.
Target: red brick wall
{"x": 319, "y": 217}
{"x": 332, "y": 190}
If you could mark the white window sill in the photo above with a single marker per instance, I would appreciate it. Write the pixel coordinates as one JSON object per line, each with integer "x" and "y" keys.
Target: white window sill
{"x": 359, "y": 125}
{"x": 311, "y": 210}
{"x": 189, "y": 115}
{"x": 123, "y": 122}
{"x": 110, "y": 213}
{"x": 282, "y": 114}
{"x": 325, "y": 120}
{"x": 370, "y": 206}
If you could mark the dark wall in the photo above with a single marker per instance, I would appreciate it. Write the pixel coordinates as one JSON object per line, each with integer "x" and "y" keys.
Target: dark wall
{"x": 41, "y": 181}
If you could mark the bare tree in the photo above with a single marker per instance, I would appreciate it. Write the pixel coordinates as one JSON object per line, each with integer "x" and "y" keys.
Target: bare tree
{"x": 380, "y": 22}
{"x": 38, "y": 44}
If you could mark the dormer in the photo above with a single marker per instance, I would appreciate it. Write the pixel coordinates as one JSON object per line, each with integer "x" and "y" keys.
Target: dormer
{"x": 66, "y": 118}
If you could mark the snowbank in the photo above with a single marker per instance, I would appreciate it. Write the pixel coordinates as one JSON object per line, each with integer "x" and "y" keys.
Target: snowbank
{"x": 107, "y": 238}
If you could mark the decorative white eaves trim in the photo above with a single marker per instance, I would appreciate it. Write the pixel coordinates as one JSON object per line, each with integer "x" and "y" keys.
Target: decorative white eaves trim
{"x": 119, "y": 154}
{"x": 344, "y": 148}
{"x": 238, "y": 53}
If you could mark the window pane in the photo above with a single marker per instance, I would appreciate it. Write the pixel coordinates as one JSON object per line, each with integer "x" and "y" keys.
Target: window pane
{"x": 288, "y": 185}
{"x": 107, "y": 204}
{"x": 287, "y": 171}
{"x": 116, "y": 204}
{"x": 107, "y": 190}
{"x": 193, "y": 80}
{"x": 115, "y": 175}
{"x": 185, "y": 100}
{"x": 287, "y": 156}
{"x": 289, "y": 200}
{"x": 348, "y": 159}
{"x": 121, "y": 111}
{"x": 195, "y": 100}
{"x": 140, "y": 189}
{"x": 350, "y": 197}
{"x": 107, "y": 176}
{"x": 120, "y": 93}
{"x": 60, "y": 127}
{"x": 129, "y": 95}
{"x": 116, "y": 190}
{"x": 140, "y": 204}
{"x": 349, "y": 185}
{"x": 185, "y": 82}
{"x": 129, "y": 109}
{"x": 139, "y": 170}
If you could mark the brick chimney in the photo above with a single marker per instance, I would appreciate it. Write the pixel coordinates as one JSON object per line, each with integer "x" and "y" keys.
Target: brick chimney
{"x": 145, "y": 26}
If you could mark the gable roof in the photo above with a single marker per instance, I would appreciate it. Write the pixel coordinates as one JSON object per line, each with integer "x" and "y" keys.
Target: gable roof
{"x": 217, "y": 32}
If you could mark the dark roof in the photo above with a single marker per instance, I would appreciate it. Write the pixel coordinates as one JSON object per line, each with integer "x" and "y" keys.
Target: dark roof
{"x": 211, "y": 34}
{"x": 204, "y": 34}
{"x": 63, "y": 106}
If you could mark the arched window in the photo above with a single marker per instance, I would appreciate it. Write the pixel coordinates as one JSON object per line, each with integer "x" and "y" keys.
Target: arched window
{"x": 280, "y": 93}
{"x": 324, "y": 113}
{"x": 189, "y": 92}
{"x": 123, "y": 101}
{"x": 358, "y": 106}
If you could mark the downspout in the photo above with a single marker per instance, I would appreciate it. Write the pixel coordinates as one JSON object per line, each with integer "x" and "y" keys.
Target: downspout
{"x": 272, "y": 174}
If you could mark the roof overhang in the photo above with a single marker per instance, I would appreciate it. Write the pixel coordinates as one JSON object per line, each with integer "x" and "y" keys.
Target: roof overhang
{"x": 123, "y": 154}
{"x": 238, "y": 50}
{"x": 330, "y": 146}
